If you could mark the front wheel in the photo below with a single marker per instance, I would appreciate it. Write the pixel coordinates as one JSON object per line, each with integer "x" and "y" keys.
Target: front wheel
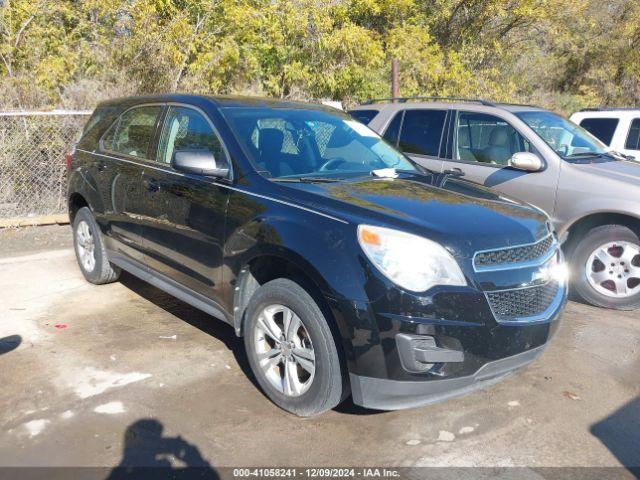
{"x": 291, "y": 349}
{"x": 606, "y": 265}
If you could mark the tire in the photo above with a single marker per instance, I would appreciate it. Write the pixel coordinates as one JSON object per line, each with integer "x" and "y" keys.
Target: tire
{"x": 622, "y": 242}
{"x": 87, "y": 240}
{"x": 314, "y": 393}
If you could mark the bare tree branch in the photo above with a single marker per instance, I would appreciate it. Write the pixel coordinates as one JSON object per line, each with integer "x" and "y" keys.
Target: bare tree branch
{"x": 21, "y": 31}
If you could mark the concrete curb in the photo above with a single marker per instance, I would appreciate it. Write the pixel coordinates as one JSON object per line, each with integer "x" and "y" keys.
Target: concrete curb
{"x": 34, "y": 221}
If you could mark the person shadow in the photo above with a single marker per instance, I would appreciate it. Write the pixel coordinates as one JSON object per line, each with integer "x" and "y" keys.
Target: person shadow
{"x": 10, "y": 343}
{"x": 147, "y": 454}
{"x": 620, "y": 433}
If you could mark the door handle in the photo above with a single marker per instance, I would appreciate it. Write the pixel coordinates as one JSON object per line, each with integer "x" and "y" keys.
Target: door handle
{"x": 152, "y": 185}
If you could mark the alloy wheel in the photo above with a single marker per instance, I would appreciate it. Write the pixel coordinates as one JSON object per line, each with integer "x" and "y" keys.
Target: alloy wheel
{"x": 86, "y": 246}
{"x": 613, "y": 269}
{"x": 284, "y": 350}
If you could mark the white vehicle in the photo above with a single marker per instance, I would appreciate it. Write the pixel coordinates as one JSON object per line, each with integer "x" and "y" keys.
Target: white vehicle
{"x": 618, "y": 128}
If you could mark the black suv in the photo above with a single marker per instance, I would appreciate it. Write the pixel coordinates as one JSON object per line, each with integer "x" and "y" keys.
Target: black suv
{"x": 347, "y": 267}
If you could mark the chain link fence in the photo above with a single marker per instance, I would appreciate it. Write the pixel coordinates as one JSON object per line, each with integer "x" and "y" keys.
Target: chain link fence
{"x": 32, "y": 161}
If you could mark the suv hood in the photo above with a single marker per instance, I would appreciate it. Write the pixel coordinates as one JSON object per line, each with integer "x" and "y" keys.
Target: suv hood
{"x": 458, "y": 214}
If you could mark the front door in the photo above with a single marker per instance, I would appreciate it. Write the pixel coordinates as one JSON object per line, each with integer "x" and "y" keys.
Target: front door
{"x": 185, "y": 225}
{"x": 483, "y": 145}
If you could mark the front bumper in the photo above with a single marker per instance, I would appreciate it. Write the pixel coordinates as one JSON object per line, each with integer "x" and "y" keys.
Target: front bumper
{"x": 429, "y": 350}
{"x": 385, "y": 394}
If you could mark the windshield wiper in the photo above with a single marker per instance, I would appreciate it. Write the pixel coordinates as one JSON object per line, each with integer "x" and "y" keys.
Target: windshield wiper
{"x": 306, "y": 179}
{"x": 589, "y": 154}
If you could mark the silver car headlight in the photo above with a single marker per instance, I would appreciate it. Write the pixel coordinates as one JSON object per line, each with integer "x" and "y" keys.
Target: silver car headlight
{"x": 410, "y": 261}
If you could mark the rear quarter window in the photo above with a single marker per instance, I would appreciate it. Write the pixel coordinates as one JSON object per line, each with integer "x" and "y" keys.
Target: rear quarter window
{"x": 393, "y": 130}
{"x": 364, "y": 116}
{"x": 601, "y": 128}
{"x": 98, "y": 122}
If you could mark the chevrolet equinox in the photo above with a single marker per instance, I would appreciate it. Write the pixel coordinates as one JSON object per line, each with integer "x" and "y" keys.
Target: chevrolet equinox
{"x": 346, "y": 267}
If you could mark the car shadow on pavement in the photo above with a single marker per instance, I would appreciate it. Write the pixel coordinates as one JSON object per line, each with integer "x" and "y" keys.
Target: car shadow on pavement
{"x": 347, "y": 407}
{"x": 620, "y": 433}
{"x": 204, "y": 322}
{"x": 149, "y": 454}
{"x": 217, "y": 328}
{"x": 10, "y": 343}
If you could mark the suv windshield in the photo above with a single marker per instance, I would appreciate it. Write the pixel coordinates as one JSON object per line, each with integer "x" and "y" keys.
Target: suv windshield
{"x": 565, "y": 137}
{"x": 290, "y": 143}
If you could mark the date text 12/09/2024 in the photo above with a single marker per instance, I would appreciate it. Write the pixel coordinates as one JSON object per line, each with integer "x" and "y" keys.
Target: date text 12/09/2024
{"x": 316, "y": 473}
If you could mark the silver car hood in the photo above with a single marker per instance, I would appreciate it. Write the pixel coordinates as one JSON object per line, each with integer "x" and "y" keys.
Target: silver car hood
{"x": 622, "y": 171}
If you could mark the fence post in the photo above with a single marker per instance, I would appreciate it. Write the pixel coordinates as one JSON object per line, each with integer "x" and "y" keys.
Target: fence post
{"x": 395, "y": 81}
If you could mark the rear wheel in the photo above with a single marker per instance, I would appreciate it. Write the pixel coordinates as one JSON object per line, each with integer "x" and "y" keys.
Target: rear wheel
{"x": 291, "y": 349}
{"x": 90, "y": 251}
{"x": 606, "y": 264}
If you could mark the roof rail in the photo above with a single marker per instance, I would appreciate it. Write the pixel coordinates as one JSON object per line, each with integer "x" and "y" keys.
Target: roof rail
{"x": 608, "y": 109}
{"x": 451, "y": 99}
{"x": 511, "y": 104}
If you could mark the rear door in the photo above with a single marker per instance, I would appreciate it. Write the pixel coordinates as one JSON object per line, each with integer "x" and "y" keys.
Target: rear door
{"x": 419, "y": 133}
{"x": 481, "y": 146}
{"x": 124, "y": 147}
{"x": 185, "y": 213}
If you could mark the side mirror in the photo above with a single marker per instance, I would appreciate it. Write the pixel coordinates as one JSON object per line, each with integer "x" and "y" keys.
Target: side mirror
{"x": 199, "y": 162}
{"x": 527, "y": 161}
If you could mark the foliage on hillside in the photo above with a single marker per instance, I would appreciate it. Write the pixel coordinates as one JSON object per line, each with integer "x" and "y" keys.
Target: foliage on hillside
{"x": 563, "y": 54}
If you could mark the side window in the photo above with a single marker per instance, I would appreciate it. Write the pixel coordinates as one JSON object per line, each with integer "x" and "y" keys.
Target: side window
{"x": 422, "y": 131}
{"x": 133, "y": 133}
{"x": 186, "y": 129}
{"x": 601, "y": 128}
{"x": 363, "y": 116}
{"x": 392, "y": 132}
{"x": 633, "y": 139}
{"x": 484, "y": 138}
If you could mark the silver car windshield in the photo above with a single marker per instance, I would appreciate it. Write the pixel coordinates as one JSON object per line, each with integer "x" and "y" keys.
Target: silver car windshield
{"x": 566, "y": 138}
{"x": 297, "y": 143}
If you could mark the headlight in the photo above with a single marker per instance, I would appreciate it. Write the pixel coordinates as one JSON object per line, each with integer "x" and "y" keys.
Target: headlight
{"x": 411, "y": 262}
{"x": 556, "y": 269}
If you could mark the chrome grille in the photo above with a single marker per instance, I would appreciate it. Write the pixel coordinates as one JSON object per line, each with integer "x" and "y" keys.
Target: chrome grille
{"x": 514, "y": 255}
{"x": 523, "y": 303}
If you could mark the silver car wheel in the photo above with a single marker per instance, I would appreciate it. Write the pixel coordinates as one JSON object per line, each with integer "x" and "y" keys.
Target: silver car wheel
{"x": 284, "y": 349}
{"x": 613, "y": 269}
{"x": 86, "y": 246}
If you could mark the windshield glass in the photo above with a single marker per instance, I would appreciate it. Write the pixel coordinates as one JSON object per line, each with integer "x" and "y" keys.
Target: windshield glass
{"x": 566, "y": 138}
{"x": 288, "y": 143}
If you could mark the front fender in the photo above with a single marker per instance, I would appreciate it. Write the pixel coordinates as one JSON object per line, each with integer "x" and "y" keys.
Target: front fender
{"x": 323, "y": 249}
{"x": 588, "y": 208}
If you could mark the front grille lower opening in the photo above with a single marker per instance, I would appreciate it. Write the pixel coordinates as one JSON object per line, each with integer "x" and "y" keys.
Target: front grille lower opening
{"x": 510, "y": 305}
